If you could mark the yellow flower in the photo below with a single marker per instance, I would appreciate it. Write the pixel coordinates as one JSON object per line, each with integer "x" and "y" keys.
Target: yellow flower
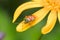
{"x": 48, "y": 5}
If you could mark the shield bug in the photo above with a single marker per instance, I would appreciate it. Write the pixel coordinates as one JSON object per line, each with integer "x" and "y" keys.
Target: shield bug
{"x": 29, "y": 18}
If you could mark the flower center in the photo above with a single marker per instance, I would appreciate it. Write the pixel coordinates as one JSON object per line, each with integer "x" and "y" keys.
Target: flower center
{"x": 54, "y": 4}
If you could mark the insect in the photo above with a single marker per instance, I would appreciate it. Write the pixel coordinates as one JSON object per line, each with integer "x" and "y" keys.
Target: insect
{"x": 29, "y": 18}
{"x": 2, "y": 35}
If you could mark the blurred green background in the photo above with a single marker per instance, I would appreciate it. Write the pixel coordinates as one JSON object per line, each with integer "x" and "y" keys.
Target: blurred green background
{"x": 7, "y": 8}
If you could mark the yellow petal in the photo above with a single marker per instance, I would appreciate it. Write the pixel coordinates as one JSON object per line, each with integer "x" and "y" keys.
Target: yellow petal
{"x": 39, "y": 16}
{"x": 50, "y": 22}
{"x": 41, "y": 2}
{"x": 24, "y": 7}
{"x": 59, "y": 15}
{"x": 37, "y": 0}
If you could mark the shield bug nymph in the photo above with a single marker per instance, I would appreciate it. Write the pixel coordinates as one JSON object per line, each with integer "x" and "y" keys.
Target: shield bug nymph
{"x": 29, "y": 18}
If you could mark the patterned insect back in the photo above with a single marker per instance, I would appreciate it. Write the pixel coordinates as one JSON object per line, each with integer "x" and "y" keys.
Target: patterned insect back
{"x": 29, "y": 18}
